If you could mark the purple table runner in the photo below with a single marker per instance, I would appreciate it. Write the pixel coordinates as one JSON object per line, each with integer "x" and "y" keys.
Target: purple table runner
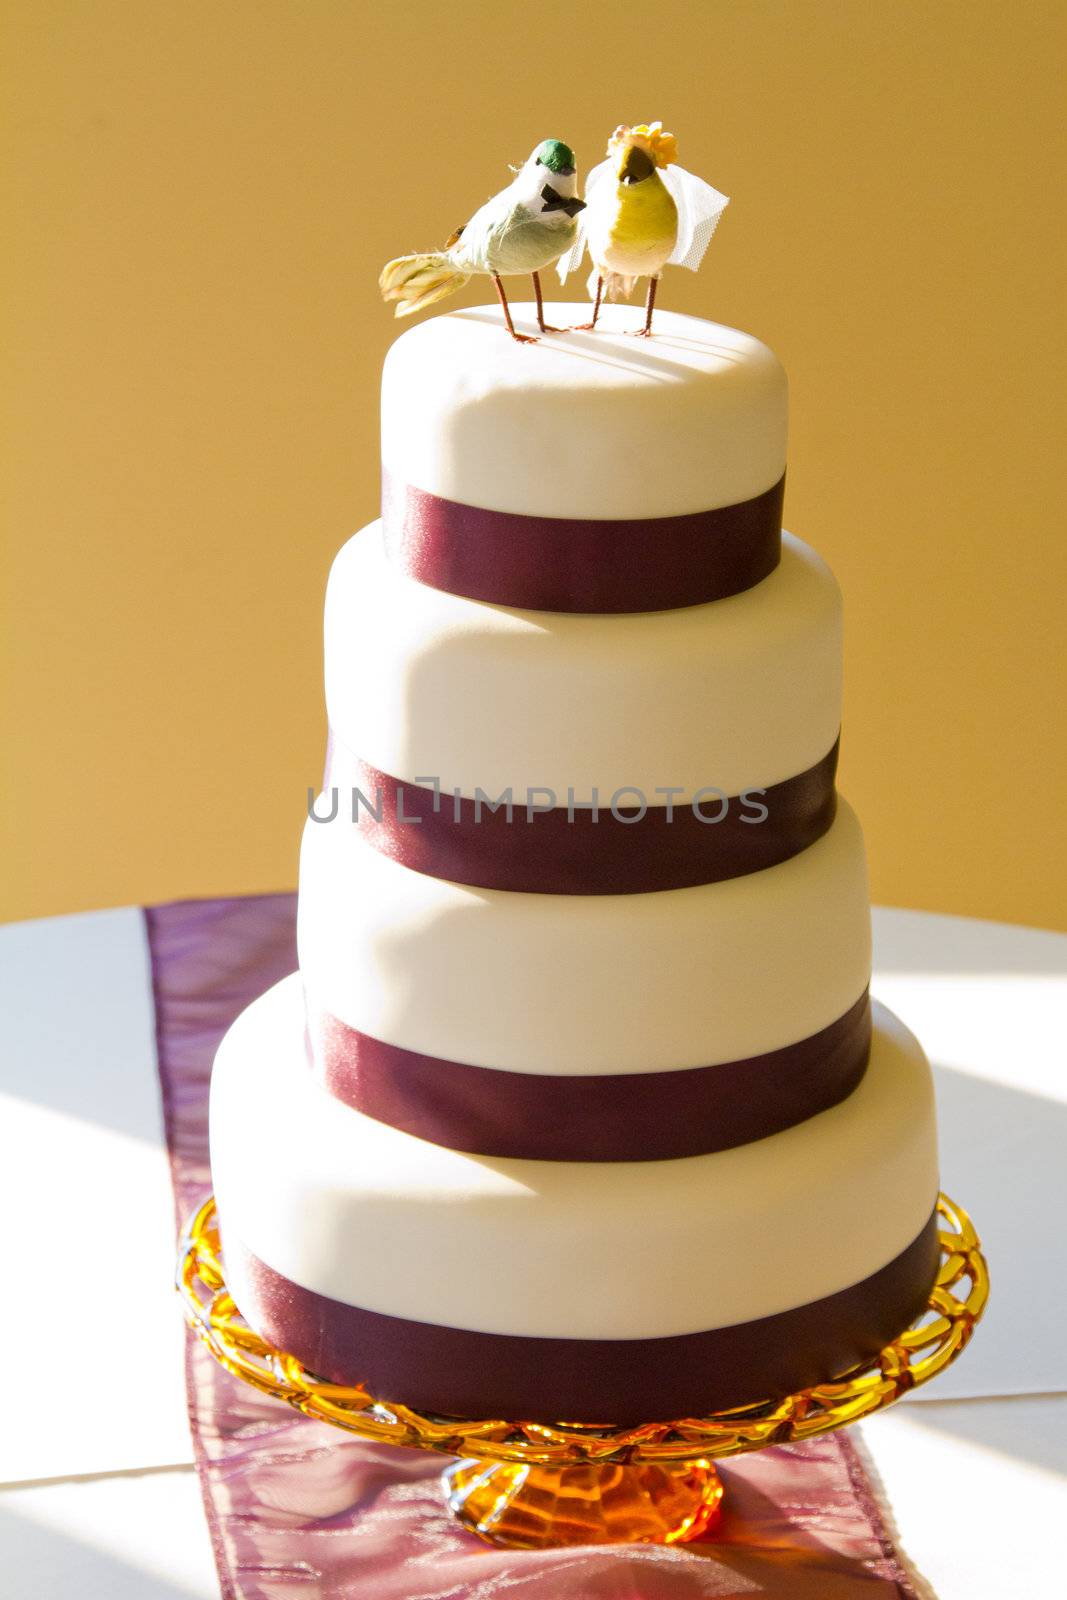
{"x": 299, "y": 1511}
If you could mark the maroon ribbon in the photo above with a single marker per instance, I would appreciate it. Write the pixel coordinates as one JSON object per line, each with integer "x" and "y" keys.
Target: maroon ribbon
{"x": 615, "y": 1116}
{"x": 566, "y": 852}
{"x": 457, "y": 1372}
{"x": 580, "y": 563}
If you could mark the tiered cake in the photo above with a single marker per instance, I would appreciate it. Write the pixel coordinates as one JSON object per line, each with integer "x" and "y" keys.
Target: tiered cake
{"x": 578, "y": 1107}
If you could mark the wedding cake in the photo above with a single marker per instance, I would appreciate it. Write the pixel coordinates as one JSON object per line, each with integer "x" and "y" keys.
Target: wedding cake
{"x": 578, "y": 1106}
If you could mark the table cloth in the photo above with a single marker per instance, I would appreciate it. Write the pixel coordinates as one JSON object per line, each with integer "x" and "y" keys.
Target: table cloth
{"x": 98, "y": 1491}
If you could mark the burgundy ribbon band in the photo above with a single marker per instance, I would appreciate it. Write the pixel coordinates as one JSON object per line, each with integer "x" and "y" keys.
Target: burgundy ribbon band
{"x": 456, "y": 1372}
{"x": 562, "y": 852}
{"x": 582, "y": 564}
{"x": 617, "y": 1116}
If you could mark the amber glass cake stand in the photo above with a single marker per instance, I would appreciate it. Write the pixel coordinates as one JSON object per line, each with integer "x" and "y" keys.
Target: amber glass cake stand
{"x": 531, "y": 1485}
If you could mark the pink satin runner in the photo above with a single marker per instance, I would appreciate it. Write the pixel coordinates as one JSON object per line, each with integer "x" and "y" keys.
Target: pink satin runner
{"x": 296, "y": 1508}
{"x": 534, "y": 846}
{"x": 582, "y": 564}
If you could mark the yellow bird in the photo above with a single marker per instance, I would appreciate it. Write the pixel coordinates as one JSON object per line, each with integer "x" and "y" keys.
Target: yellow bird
{"x": 642, "y": 211}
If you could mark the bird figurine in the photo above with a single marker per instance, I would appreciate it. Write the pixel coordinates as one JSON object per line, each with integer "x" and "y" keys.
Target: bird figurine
{"x": 524, "y": 228}
{"x": 643, "y": 211}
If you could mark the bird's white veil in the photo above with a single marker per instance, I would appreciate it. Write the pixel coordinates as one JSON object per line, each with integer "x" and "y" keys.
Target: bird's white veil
{"x": 573, "y": 259}
{"x": 699, "y": 209}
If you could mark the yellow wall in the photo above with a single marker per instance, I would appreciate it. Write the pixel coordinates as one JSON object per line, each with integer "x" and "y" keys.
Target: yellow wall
{"x": 203, "y": 195}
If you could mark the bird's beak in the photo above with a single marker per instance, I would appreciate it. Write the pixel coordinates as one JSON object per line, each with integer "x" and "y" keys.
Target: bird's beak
{"x": 635, "y": 164}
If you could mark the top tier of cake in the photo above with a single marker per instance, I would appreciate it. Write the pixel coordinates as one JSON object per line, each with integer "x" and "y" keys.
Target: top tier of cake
{"x": 584, "y": 425}
{"x": 677, "y": 446}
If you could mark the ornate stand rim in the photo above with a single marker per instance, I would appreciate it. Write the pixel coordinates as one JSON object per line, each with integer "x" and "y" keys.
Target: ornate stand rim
{"x": 934, "y": 1340}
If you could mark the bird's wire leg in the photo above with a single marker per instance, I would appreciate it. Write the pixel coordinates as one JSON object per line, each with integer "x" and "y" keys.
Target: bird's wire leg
{"x": 650, "y": 301}
{"x": 520, "y": 338}
{"x": 544, "y": 326}
{"x": 587, "y": 327}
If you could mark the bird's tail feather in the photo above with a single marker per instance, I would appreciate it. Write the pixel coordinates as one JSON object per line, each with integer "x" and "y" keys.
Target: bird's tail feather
{"x": 616, "y": 286}
{"x": 417, "y": 281}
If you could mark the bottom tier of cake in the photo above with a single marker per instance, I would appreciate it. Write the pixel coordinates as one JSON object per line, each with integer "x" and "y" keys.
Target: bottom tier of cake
{"x": 619, "y": 1291}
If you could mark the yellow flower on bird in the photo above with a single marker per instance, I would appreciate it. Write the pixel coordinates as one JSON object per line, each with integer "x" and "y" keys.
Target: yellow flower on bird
{"x": 647, "y": 136}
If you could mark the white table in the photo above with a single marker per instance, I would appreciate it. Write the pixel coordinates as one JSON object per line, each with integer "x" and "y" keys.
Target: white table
{"x": 99, "y": 1502}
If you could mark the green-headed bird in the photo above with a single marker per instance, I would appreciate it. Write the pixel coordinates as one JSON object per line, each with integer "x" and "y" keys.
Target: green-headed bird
{"x": 524, "y": 228}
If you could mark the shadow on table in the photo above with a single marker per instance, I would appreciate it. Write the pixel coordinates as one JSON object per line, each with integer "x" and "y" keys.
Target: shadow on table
{"x": 1002, "y": 1158}
{"x": 928, "y": 943}
{"x": 213, "y": 957}
{"x": 1029, "y": 1428}
{"x": 38, "y": 1560}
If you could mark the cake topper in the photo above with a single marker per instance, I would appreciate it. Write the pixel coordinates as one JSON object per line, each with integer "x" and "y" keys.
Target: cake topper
{"x": 643, "y": 212}
{"x": 525, "y": 227}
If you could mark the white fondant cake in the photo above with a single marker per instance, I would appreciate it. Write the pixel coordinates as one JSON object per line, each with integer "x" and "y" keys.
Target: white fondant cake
{"x": 734, "y": 694}
{"x": 584, "y": 984}
{"x": 579, "y": 1117}
{"x": 366, "y": 1215}
{"x": 587, "y": 425}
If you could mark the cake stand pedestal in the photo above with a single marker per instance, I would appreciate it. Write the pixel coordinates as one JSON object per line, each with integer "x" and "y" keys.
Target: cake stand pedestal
{"x": 531, "y": 1485}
